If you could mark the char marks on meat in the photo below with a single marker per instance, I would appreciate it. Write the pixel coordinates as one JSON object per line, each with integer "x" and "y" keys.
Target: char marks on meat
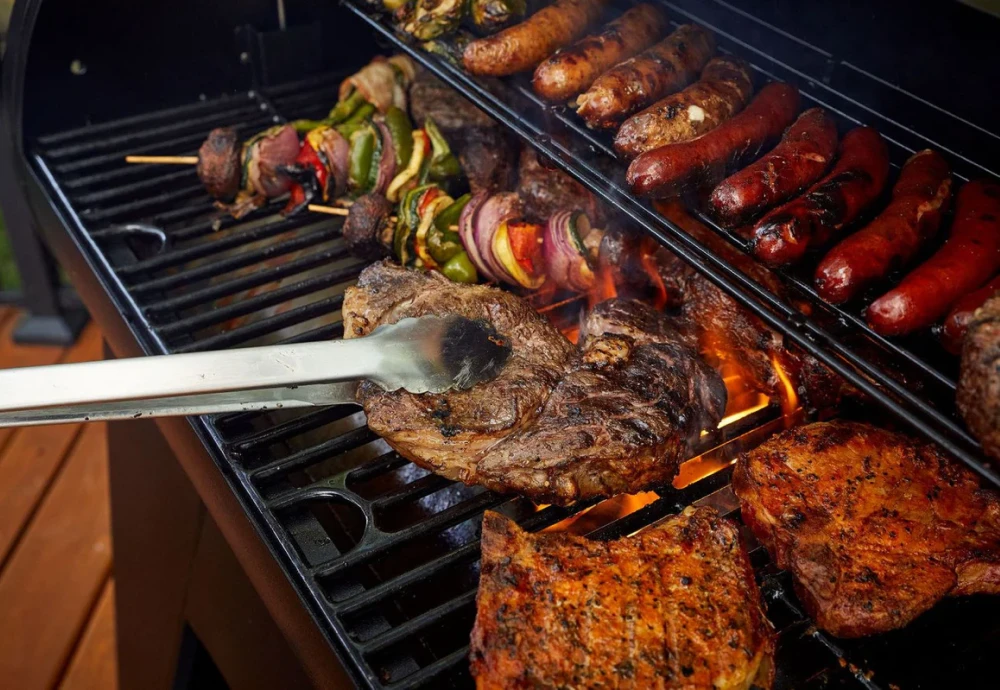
{"x": 875, "y": 527}
{"x": 979, "y": 382}
{"x": 484, "y": 149}
{"x": 558, "y": 424}
{"x": 545, "y": 190}
{"x": 674, "y": 606}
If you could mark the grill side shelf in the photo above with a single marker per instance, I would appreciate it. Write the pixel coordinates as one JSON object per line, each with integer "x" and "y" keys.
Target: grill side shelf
{"x": 603, "y": 175}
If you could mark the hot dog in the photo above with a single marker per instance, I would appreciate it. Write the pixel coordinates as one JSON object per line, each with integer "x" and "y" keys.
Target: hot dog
{"x": 668, "y": 66}
{"x": 676, "y": 168}
{"x": 575, "y": 68}
{"x": 969, "y": 258}
{"x": 805, "y": 152}
{"x": 522, "y": 46}
{"x": 957, "y": 322}
{"x": 919, "y": 199}
{"x": 723, "y": 90}
{"x": 783, "y": 235}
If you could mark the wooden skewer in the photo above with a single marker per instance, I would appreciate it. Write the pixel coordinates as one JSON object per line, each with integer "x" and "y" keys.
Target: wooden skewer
{"x": 336, "y": 211}
{"x": 166, "y": 160}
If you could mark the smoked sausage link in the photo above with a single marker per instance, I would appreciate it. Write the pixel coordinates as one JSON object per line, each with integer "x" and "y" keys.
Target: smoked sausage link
{"x": 956, "y": 324}
{"x": 786, "y": 233}
{"x": 677, "y": 168}
{"x": 574, "y": 69}
{"x": 969, "y": 258}
{"x": 919, "y": 199}
{"x": 804, "y": 154}
{"x": 522, "y": 46}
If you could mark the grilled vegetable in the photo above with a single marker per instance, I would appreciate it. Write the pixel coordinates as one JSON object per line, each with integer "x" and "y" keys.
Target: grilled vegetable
{"x": 460, "y": 269}
{"x": 489, "y": 16}
{"x": 517, "y": 248}
{"x": 346, "y": 107}
{"x": 382, "y": 83}
{"x": 410, "y": 175}
{"x": 432, "y": 18}
{"x": 443, "y": 166}
{"x": 402, "y": 135}
{"x": 569, "y": 258}
{"x": 320, "y": 170}
{"x": 362, "y": 153}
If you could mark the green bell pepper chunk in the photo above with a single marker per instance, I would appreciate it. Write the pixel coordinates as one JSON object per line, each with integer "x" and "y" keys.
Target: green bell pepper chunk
{"x": 459, "y": 269}
{"x": 450, "y": 215}
{"x": 345, "y": 108}
{"x": 362, "y": 149}
{"x": 356, "y": 121}
{"x": 376, "y": 157}
{"x": 402, "y": 135}
{"x": 305, "y": 126}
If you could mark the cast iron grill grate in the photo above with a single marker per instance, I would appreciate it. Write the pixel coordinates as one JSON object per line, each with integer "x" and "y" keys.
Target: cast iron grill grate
{"x": 384, "y": 553}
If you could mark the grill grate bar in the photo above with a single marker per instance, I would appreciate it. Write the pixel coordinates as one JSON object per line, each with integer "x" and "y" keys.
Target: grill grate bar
{"x": 416, "y": 489}
{"x": 196, "y": 297}
{"x": 232, "y": 241}
{"x": 145, "y": 202}
{"x": 417, "y": 624}
{"x": 431, "y": 671}
{"x": 439, "y": 521}
{"x": 263, "y": 327}
{"x": 199, "y": 124}
{"x": 304, "y": 458}
{"x": 165, "y": 114}
{"x": 154, "y": 182}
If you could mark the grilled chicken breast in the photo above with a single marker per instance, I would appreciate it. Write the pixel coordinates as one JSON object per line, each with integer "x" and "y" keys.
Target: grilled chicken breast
{"x": 559, "y": 423}
{"x": 674, "y": 606}
{"x": 875, "y": 527}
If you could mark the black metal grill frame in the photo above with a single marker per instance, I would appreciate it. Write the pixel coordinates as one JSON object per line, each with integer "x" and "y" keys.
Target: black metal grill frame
{"x": 255, "y": 453}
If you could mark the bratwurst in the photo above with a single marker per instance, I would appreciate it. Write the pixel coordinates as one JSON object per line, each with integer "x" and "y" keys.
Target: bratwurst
{"x": 575, "y": 68}
{"x": 524, "y": 45}
{"x": 677, "y": 168}
{"x": 724, "y": 89}
{"x": 668, "y": 66}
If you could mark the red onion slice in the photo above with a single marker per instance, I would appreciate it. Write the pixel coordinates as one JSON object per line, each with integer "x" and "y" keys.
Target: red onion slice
{"x": 497, "y": 209}
{"x": 387, "y": 163}
{"x": 467, "y": 231}
{"x": 566, "y": 257}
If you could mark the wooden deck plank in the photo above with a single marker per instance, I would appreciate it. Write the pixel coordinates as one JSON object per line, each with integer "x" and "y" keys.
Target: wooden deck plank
{"x": 95, "y": 663}
{"x": 32, "y": 457}
{"x": 51, "y": 581}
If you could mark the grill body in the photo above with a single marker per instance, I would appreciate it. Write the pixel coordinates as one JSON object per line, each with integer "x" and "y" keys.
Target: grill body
{"x": 381, "y": 555}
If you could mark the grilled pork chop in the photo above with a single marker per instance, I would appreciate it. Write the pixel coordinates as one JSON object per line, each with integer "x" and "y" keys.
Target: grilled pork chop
{"x": 979, "y": 384}
{"x": 875, "y": 527}
{"x": 558, "y": 424}
{"x": 674, "y": 606}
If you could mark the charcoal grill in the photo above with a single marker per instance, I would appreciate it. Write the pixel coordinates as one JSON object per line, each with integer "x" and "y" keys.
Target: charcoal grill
{"x": 381, "y": 554}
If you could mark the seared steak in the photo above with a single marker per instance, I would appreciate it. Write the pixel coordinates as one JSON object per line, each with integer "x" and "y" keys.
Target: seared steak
{"x": 545, "y": 190}
{"x": 558, "y": 424}
{"x": 674, "y": 606}
{"x": 875, "y": 527}
{"x": 621, "y": 419}
{"x": 979, "y": 382}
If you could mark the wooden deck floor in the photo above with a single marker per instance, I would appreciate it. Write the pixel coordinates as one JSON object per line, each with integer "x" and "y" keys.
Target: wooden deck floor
{"x": 56, "y": 585}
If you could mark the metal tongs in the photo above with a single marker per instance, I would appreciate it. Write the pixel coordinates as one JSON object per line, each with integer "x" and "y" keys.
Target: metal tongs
{"x": 426, "y": 354}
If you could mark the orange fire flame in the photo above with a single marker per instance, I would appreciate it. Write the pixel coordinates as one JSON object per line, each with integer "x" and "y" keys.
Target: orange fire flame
{"x": 648, "y": 261}
{"x": 789, "y": 398}
{"x": 603, "y": 513}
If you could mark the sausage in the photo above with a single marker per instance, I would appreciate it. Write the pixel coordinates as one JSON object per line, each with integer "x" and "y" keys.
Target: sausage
{"x": 957, "y": 322}
{"x": 522, "y": 46}
{"x": 575, "y": 68}
{"x": 676, "y": 168}
{"x": 783, "y": 235}
{"x": 668, "y": 66}
{"x": 724, "y": 89}
{"x": 969, "y": 258}
{"x": 804, "y": 154}
{"x": 919, "y": 200}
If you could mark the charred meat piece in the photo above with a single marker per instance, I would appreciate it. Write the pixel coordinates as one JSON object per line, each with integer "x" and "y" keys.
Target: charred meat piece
{"x": 219, "y": 163}
{"x": 621, "y": 419}
{"x": 979, "y": 382}
{"x": 367, "y": 230}
{"x": 875, "y": 527}
{"x": 726, "y": 334}
{"x": 483, "y": 147}
{"x": 674, "y": 606}
{"x": 557, "y": 424}
{"x": 447, "y": 433}
{"x": 546, "y": 190}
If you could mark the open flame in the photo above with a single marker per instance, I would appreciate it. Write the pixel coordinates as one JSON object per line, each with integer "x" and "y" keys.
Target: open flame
{"x": 789, "y": 397}
{"x": 603, "y": 513}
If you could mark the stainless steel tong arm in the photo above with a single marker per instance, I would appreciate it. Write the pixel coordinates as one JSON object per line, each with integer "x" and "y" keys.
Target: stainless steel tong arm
{"x": 429, "y": 354}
